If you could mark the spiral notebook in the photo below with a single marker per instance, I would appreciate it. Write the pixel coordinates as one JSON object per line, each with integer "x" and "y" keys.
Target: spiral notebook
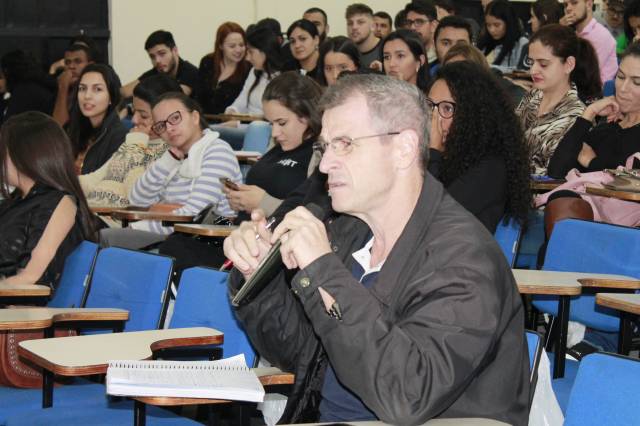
{"x": 224, "y": 379}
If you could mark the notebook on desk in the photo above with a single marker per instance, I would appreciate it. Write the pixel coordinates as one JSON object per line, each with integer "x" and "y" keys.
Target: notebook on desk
{"x": 229, "y": 379}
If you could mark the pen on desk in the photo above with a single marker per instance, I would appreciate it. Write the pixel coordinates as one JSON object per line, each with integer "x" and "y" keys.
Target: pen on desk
{"x": 228, "y": 264}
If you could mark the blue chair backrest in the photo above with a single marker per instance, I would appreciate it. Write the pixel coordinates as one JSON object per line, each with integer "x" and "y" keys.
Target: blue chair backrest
{"x": 75, "y": 276}
{"x": 609, "y": 88}
{"x": 583, "y": 246}
{"x": 133, "y": 280}
{"x": 203, "y": 301}
{"x": 535, "y": 346}
{"x": 257, "y": 137}
{"x": 605, "y": 391}
{"x": 508, "y": 237}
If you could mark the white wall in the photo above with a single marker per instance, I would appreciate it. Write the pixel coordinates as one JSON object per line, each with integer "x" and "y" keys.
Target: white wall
{"x": 194, "y": 23}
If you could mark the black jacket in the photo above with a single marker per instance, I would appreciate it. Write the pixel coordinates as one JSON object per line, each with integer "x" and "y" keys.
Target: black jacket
{"x": 440, "y": 333}
{"x": 108, "y": 139}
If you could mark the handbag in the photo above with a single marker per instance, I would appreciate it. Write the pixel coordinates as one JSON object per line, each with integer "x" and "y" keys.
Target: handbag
{"x": 624, "y": 179}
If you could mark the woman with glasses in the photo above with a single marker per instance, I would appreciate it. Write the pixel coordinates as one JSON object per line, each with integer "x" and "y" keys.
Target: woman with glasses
{"x": 403, "y": 57}
{"x": 290, "y": 104}
{"x": 503, "y": 43}
{"x": 476, "y": 146}
{"x": 564, "y": 70}
{"x": 185, "y": 179}
{"x": 223, "y": 72}
{"x": 95, "y": 128}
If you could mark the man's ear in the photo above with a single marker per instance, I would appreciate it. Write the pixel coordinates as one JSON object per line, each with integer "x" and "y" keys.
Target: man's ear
{"x": 174, "y": 50}
{"x": 406, "y": 148}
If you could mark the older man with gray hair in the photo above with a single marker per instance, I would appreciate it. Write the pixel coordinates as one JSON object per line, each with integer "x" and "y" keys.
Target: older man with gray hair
{"x": 401, "y": 307}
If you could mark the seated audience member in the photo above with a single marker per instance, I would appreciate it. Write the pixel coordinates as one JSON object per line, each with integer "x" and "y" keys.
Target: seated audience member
{"x": 319, "y": 18}
{"x": 545, "y": 12}
{"x": 46, "y": 216}
{"x": 28, "y": 85}
{"x": 423, "y": 19}
{"x": 109, "y": 186}
{"x": 607, "y": 145}
{"x": 412, "y": 282}
{"x": 579, "y": 15}
{"x": 95, "y": 53}
{"x": 360, "y": 29}
{"x": 304, "y": 42}
{"x": 95, "y": 128}
{"x": 76, "y": 57}
{"x": 163, "y": 53}
{"x": 631, "y": 24}
{"x": 465, "y": 52}
{"x": 563, "y": 67}
{"x": 445, "y": 8}
{"x": 263, "y": 52}
{"x": 400, "y": 21}
{"x": 290, "y": 105}
{"x": 185, "y": 179}
{"x": 477, "y": 149}
{"x": 383, "y": 24}
{"x": 403, "y": 57}
{"x": 337, "y": 54}
{"x": 451, "y": 30}
{"x": 223, "y": 72}
{"x": 614, "y": 17}
{"x": 503, "y": 42}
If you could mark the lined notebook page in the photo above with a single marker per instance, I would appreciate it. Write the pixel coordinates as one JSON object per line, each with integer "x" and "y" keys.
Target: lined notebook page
{"x": 224, "y": 379}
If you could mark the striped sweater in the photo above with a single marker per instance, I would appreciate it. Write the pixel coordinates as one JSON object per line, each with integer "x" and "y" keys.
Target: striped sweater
{"x": 193, "y": 182}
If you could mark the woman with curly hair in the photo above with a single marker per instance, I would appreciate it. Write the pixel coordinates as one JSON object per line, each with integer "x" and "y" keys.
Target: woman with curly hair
{"x": 477, "y": 148}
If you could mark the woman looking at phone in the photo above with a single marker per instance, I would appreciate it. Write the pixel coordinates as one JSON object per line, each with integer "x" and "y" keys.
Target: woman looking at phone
{"x": 290, "y": 104}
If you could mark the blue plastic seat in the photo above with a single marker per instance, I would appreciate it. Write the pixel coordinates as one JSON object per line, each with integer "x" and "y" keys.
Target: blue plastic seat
{"x": 508, "y": 237}
{"x": 605, "y": 392}
{"x": 75, "y": 276}
{"x": 201, "y": 301}
{"x": 126, "y": 279}
{"x": 257, "y": 137}
{"x": 534, "y": 345}
{"x": 609, "y": 88}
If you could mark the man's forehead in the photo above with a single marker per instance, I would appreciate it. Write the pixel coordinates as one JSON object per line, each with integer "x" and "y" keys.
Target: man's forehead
{"x": 75, "y": 54}
{"x": 158, "y": 47}
{"x": 417, "y": 15}
{"x": 352, "y": 113}
{"x": 358, "y": 16}
{"x": 315, "y": 17}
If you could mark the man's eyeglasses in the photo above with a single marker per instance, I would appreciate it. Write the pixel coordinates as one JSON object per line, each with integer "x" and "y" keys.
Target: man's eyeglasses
{"x": 160, "y": 127}
{"x": 446, "y": 109}
{"x": 343, "y": 145}
{"x": 416, "y": 22}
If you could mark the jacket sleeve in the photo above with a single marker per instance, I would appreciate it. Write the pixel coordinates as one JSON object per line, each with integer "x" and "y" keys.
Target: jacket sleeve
{"x": 565, "y": 157}
{"x": 409, "y": 370}
{"x": 240, "y": 104}
{"x": 275, "y": 322}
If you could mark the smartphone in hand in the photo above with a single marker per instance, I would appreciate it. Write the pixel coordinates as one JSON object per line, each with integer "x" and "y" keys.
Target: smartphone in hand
{"x": 229, "y": 184}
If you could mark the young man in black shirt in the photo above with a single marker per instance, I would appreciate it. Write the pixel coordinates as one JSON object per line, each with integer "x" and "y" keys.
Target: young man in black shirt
{"x": 165, "y": 59}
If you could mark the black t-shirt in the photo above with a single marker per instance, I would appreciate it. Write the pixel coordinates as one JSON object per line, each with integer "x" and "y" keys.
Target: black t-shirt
{"x": 280, "y": 172}
{"x": 187, "y": 75}
{"x": 215, "y": 97}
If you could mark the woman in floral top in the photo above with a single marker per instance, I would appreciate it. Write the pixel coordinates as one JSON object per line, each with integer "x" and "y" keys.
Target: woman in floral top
{"x": 562, "y": 72}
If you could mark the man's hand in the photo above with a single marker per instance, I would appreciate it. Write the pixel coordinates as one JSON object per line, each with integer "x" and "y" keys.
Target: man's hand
{"x": 376, "y": 66}
{"x": 568, "y": 20}
{"x": 248, "y": 245}
{"x": 65, "y": 80}
{"x": 304, "y": 238}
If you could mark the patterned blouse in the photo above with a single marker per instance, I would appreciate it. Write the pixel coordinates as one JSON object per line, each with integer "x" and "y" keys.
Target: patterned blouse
{"x": 544, "y": 133}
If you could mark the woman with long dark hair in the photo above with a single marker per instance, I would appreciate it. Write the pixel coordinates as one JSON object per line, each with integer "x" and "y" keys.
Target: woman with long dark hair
{"x": 223, "y": 72}
{"x": 46, "y": 216}
{"x": 476, "y": 147}
{"x": 337, "y": 54}
{"x": 304, "y": 41}
{"x": 564, "y": 71}
{"x": 503, "y": 42}
{"x": 95, "y": 128}
{"x": 290, "y": 104}
{"x": 403, "y": 57}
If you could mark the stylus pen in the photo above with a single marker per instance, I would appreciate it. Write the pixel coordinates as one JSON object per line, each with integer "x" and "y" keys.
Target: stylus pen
{"x": 229, "y": 264}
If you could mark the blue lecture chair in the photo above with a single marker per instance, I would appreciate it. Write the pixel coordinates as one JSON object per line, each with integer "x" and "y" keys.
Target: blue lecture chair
{"x": 201, "y": 301}
{"x": 535, "y": 346}
{"x": 609, "y": 88}
{"x": 583, "y": 246}
{"x": 605, "y": 392}
{"x": 508, "y": 237}
{"x": 121, "y": 278}
{"x": 75, "y": 276}
{"x": 257, "y": 137}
